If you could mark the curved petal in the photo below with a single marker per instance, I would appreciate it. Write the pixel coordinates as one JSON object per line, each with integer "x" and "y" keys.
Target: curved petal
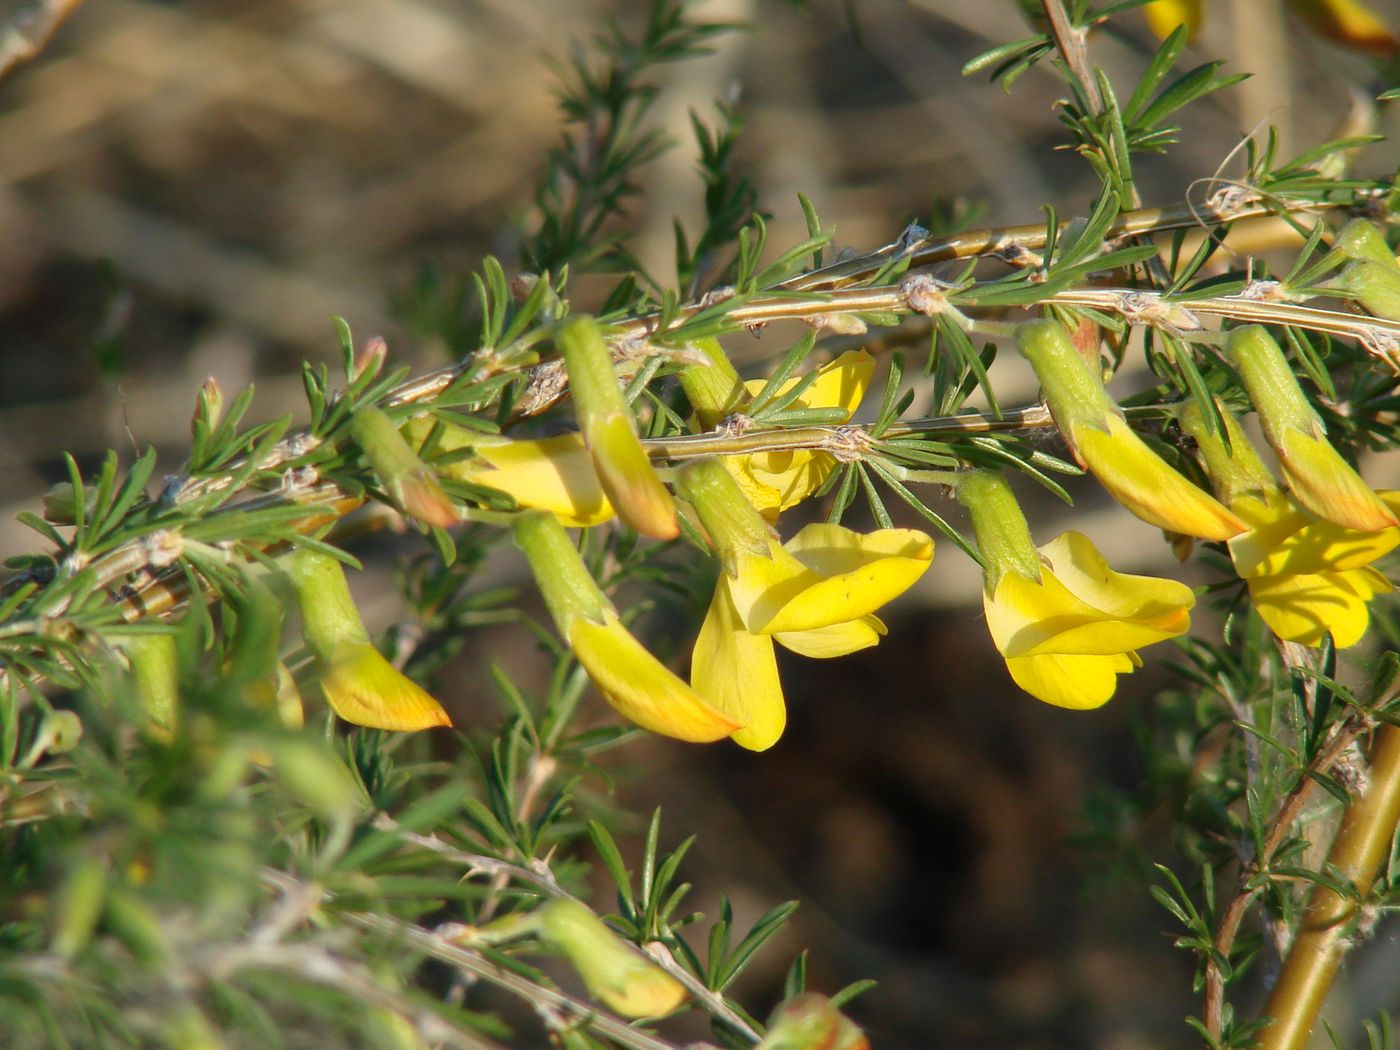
{"x": 737, "y": 673}
{"x": 640, "y": 687}
{"x": 847, "y": 576}
{"x": 1326, "y": 484}
{"x": 1272, "y": 518}
{"x": 1029, "y": 618}
{"x": 1146, "y": 486}
{"x": 1076, "y": 562}
{"x": 1304, "y": 608}
{"x": 554, "y": 474}
{"x": 764, "y": 583}
{"x": 839, "y": 384}
{"x": 1293, "y": 542}
{"x": 792, "y": 476}
{"x": 842, "y": 383}
{"x": 775, "y": 481}
{"x": 1079, "y": 682}
{"x": 765, "y": 499}
{"x": 822, "y": 643}
{"x": 624, "y": 469}
{"x": 363, "y": 687}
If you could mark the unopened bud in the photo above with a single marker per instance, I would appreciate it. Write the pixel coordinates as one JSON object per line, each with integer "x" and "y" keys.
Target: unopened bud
{"x": 155, "y": 672}
{"x": 522, "y": 284}
{"x": 1360, "y": 239}
{"x": 309, "y": 772}
{"x": 839, "y": 324}
{"x": 79, "y": 906}
{"x": 361, "y": 686}
{"x": 411, "y": 482}
{"x": 59, "y": 732}
{"x": 370, "y": 358}
{"x": 208, "y": 405}
{"x": 1375, "y": 285}
{"x": 1102, "y": 441}
{"x": 1317, "y": 475}
{"x": 61, "y": 505}
{"x": 811, "y": 1022}
{"x": 615, "y": 972}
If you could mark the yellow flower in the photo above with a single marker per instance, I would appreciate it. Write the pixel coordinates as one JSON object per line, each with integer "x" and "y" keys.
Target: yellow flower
{"x": 1348, "y": 22}
{"x": 1307, "y": 576}
{"x": 814, "y": 595}
{"x": 775, "y": 481}
{"x": 1142, "y": 482}
{"x": 1163, "y": 16}
{"x": 1065, "y": 622}
{"x": 1107, "y": 447}
{"x": 640, "y": 687}
{"x": 1067, "y": 636}
{"x": 361, "y": 686}
{"x": 554, "y": 473}
{"x": 1317, "y": 475}
{"x": 636, "y": 683}
{"x": 610, "y": 432}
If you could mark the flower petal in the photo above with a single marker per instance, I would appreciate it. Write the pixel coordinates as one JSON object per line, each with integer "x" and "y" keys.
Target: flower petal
{"x": 1113, "y": 613}
{"x": 1295, "y": 542}
{"x": 839, "y": 384}
{"x": 848, "y": 575}
{"x": 775, "y": 481}
{"x": 822, "y": 643}
{"x": 1304, "y": 608}
{"x": 1322, "y": 481}
{"x": 554, "y": 474}
{"x": 637, "y": 492}
{"x": 640, "y": 687}
{"x": 842, "y": 383}
{"x": 1080, "y": 682}
{"x": 363, "y": 687}
{"x": 1076, "y": 562}
{"x": 1163, "y": 16}
{"x": 737, "y": 674}
{"x": 792, "y": 476}
{"x": 1146, "y": 486}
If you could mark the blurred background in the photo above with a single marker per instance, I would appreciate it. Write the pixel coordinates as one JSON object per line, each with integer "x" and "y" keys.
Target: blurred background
{"x": 194, "y": 188}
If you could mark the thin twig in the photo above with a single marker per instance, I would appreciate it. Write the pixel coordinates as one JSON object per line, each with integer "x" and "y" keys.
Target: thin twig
{"x": 469, "y": 961}
{"x": 539, "y": 875}
{"x": 1069, "y": 41}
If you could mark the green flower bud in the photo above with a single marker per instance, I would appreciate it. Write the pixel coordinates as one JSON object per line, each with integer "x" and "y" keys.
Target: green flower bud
{"x": 410, "y": 481}
{"x": 615, "y": 972}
